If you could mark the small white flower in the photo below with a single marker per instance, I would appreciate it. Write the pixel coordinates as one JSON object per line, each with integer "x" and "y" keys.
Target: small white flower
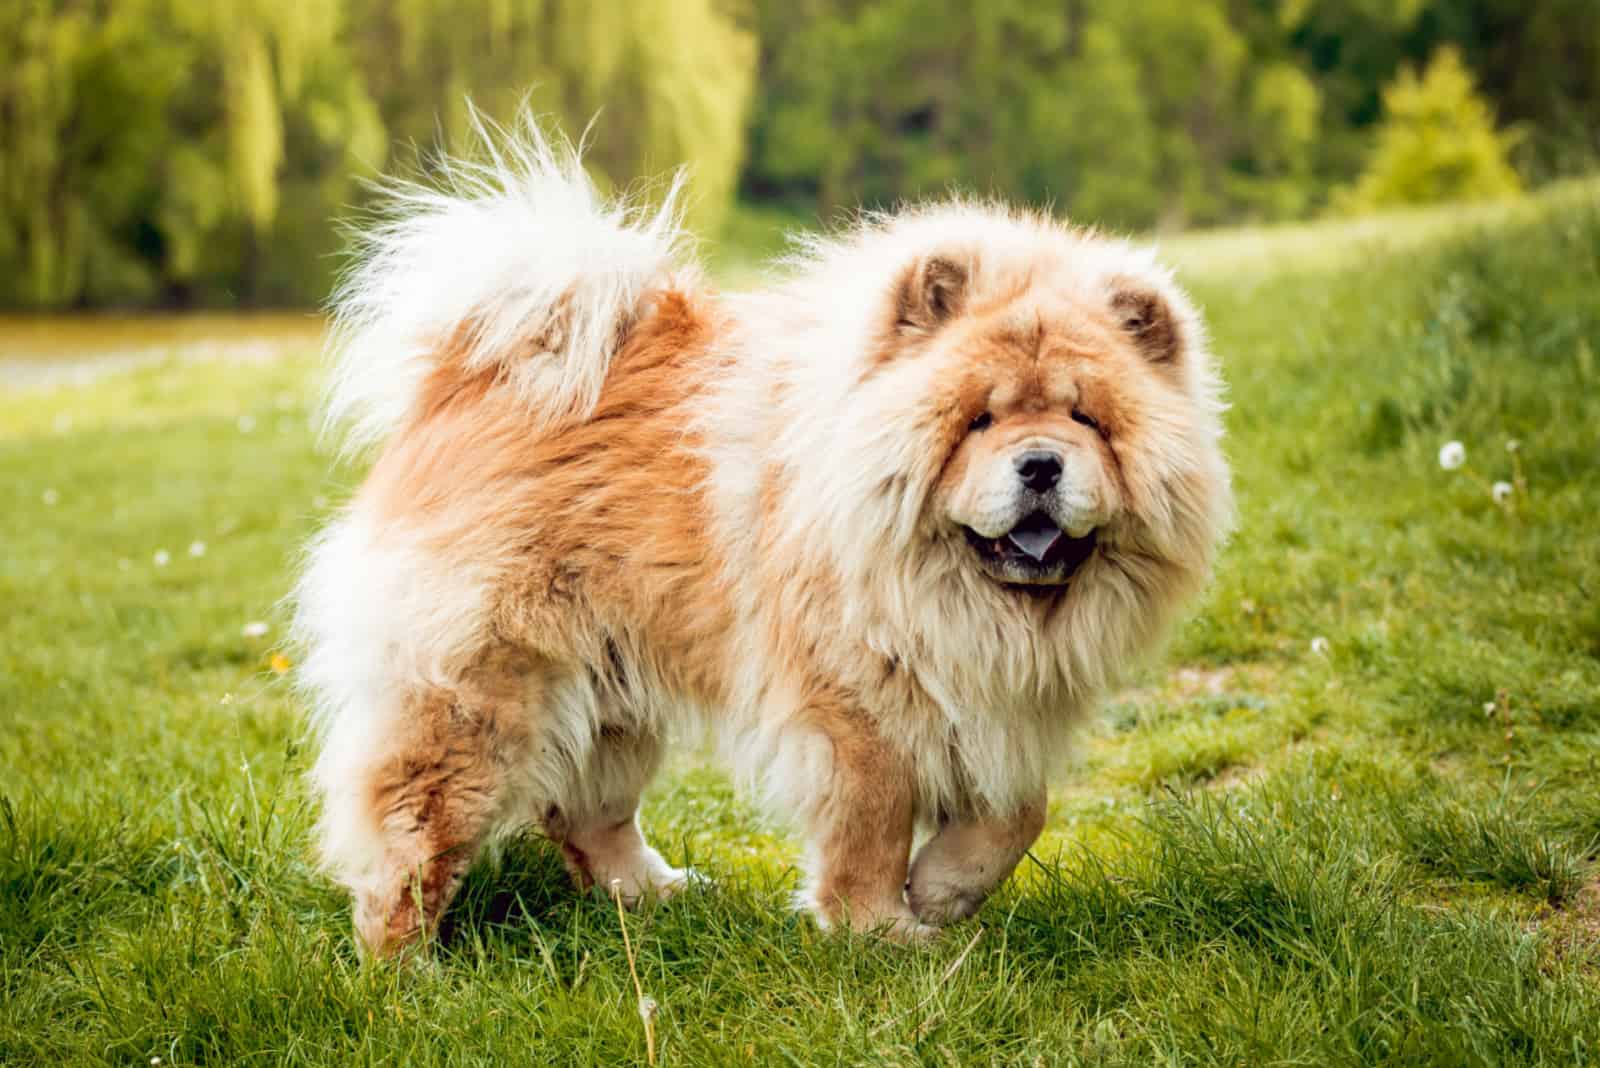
{"x": 155, "y": 1062}
{"x": 162, "y": 558}
{"x": 1452, "y": 455}
{"x": 1319, "y": 645}
{"x": 1512, "y": 445}
{"x": 1488, "y": 708}
{"x": 197, "y": 548}
{"x": 247, "y": 423}
{"x": 255, "y": 629}
{"x": 50, "y": 497}
{"x": 1501, "y": 492}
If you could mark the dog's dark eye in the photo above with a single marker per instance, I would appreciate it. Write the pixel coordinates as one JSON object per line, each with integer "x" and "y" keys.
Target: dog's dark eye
{"x": 981, "y": 422}
{"x": 1086, "y": 420}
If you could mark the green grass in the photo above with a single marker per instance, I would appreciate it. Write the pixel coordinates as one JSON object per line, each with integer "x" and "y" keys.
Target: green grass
{"x": 1299, "y": 838}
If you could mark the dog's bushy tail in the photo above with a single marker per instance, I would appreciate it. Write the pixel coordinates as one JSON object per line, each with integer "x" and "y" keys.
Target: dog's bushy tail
{"x": 515, "y": 266}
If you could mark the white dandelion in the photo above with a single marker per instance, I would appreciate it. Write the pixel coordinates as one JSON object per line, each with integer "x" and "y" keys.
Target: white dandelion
{"x": 1501, "y": 492}
{"x": 1512, "y": 445}
{"x": 162, "y": 558}
{"x": 1319, "y": 646}
{"x": 254, "y": 629}
{"x": 197, "y": 549}
{"x": 1452, "y": 455}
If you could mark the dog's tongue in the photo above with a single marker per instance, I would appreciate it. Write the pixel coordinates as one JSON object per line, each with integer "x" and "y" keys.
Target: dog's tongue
{"x": 1036, "y": 536}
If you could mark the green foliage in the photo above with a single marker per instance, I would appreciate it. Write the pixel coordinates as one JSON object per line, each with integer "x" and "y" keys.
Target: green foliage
{"x": 1437, "y": 142}
{"x": 1164, "y": 114}
{"x": 198, "y": 152}
{"x": 666, "y": 81}
{"x": 1098, "y": 107}
{"x": 195, "y": 152}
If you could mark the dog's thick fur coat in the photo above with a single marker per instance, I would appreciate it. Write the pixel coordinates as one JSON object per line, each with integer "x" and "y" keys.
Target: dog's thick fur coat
{"x": 611, "y": 505}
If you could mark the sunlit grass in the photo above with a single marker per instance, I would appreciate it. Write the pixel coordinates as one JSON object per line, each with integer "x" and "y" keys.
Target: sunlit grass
{"x": 1348, "y": 243}
{"x": 1348, "y": 818}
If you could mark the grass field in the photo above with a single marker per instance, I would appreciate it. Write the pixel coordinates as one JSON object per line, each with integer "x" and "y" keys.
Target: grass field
{"x": 1351, "y": 817}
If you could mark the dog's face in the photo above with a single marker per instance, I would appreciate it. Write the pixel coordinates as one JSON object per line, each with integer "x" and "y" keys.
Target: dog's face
{"x": 1060, "y": 416}
{"x": 1031, "y": 482}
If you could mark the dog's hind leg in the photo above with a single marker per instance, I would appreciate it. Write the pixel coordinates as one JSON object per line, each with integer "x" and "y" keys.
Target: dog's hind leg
{"x": 958, "y": 868}
{"x": 601, "y": 841}
{"x": 402, "y": 828}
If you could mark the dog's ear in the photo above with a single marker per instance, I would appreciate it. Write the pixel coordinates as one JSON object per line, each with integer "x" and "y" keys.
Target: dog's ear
{"x": 930, "y": 293}
{"x": 1146, "y": 317}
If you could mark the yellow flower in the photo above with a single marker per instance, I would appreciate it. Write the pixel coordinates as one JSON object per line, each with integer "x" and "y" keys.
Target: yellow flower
{"x": 280, "y": 664}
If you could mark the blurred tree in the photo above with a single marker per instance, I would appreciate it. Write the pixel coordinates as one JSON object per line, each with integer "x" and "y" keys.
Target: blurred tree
{"x": 1092, "y": 144}
{"x": 873, "y": 102}
{"x": 78, "y": 96}
{"x": 1127, "y": 114}
{"x": 1437, "y": 142}
{"x": 666, "y": 81}
{"x": 196, "y": 151}
{"x": 1275, "y": 174}
{"x": 1539, "y": 62}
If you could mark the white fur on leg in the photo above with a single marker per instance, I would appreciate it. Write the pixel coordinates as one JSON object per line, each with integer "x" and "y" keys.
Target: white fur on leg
{"x": 617, "y": 855}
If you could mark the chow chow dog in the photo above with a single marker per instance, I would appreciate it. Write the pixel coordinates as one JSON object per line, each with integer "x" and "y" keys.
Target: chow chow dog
{"x": 883, "y": 527}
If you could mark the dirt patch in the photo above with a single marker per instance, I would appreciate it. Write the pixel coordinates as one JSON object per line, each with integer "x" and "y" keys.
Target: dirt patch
{"x": 1574, "y": 929}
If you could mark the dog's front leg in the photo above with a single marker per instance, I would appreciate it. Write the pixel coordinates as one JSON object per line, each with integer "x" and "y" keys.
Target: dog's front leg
{"x": 958, "y": 868}
{"x": 860, "y": 827}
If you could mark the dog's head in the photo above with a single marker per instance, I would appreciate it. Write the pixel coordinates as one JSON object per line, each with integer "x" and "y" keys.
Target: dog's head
{"x": 1045, "y": 397}
{"x": 1004, "y": 434}
{"x": 1064, "y": 414}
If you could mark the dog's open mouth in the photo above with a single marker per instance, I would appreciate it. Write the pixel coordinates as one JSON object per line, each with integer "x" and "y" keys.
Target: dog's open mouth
{"x": 1035, "y": 552}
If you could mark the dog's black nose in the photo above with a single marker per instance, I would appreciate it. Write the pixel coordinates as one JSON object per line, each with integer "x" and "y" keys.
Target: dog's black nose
{"x": 1039, "y": 471}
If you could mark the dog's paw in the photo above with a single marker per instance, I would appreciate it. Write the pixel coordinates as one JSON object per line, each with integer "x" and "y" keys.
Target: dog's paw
{"x": 892, "y": 921}
{"x": 940, "y": 901}
{"x": 655, "y": 881}
{"x": 909, "y": 931}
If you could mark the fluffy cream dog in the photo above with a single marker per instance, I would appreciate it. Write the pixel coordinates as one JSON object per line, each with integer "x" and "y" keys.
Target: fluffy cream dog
{"x": 886, "y": 528}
